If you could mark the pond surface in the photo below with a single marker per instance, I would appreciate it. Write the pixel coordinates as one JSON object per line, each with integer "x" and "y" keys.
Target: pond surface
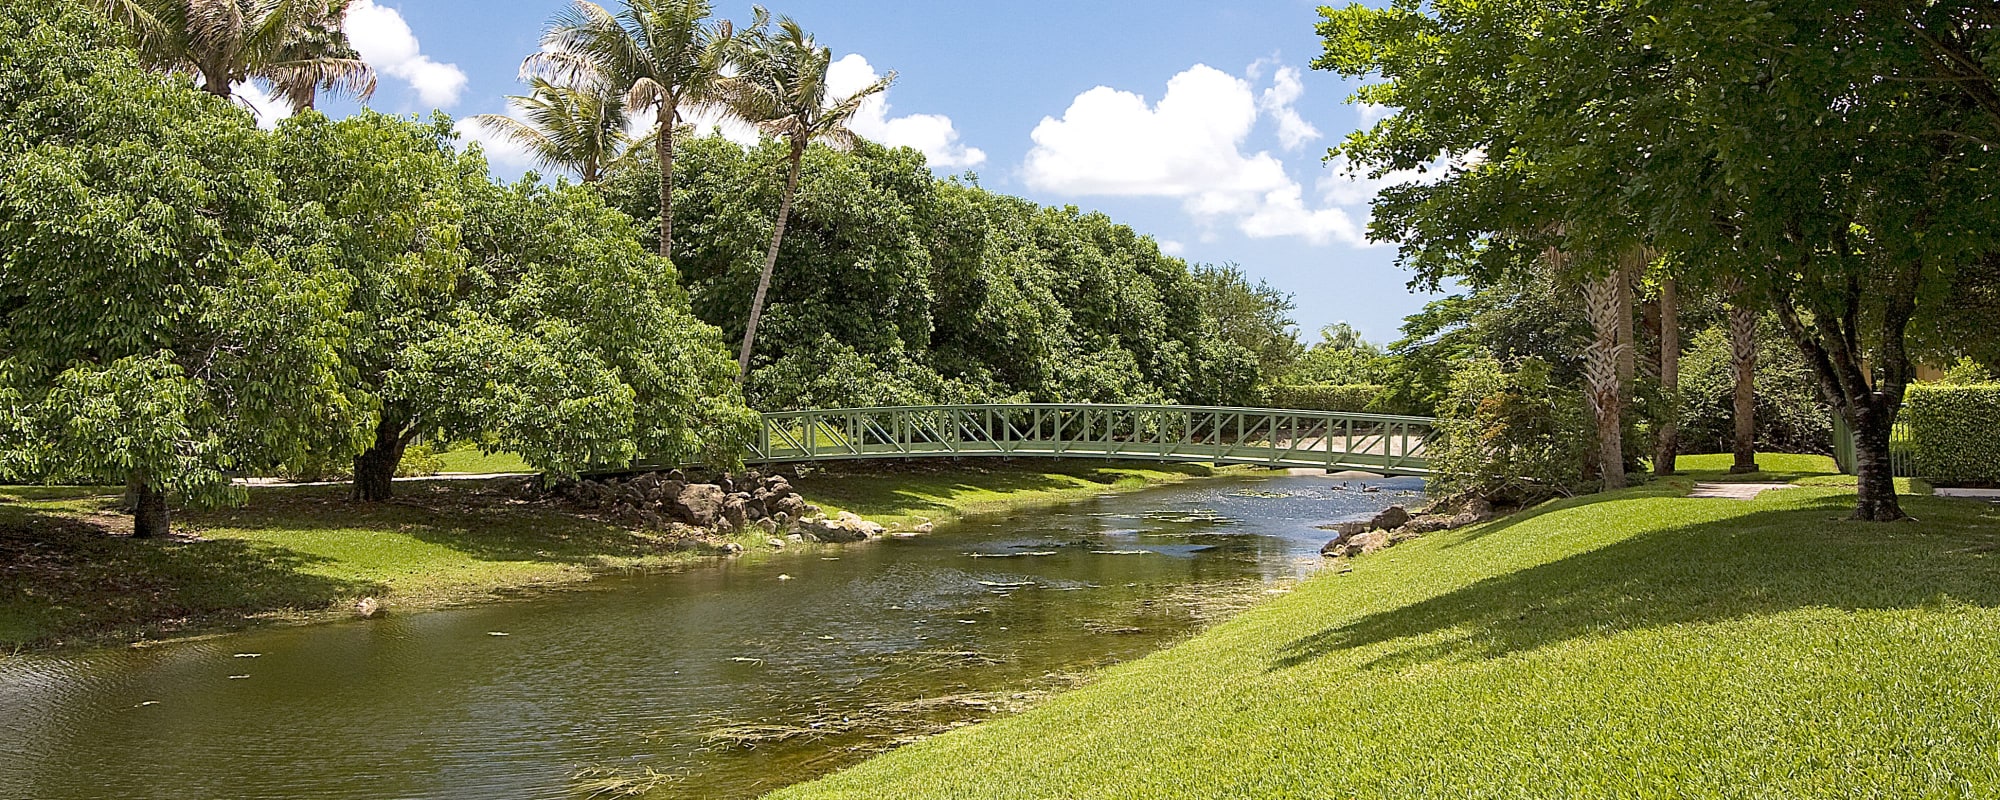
{"x": 722, "y": 681}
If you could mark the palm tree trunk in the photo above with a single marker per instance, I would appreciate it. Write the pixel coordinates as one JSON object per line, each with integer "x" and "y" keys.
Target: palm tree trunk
{"x": 1743, "y": 356}
{"x": 1668, "y": 445}
{"x": 218, "y": 86}
{"x": 669, "y": 115}
{"x": 770, "y": 262}
{"x": 1601, "y": 372}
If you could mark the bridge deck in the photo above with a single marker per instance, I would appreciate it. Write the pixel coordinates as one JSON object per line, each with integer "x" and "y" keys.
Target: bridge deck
{"x": 1386, "y": 444}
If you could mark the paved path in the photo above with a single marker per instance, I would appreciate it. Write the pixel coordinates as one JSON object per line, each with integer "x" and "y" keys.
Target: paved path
{"x": 1988, "y": 495}
{"x": 1736, "y": 491}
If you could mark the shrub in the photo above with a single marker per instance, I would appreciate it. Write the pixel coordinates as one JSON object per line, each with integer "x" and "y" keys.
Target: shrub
{"x": 1351, "y": 397}
{"x": 1955, "y": 432}
{"x": 1513, "y": 438}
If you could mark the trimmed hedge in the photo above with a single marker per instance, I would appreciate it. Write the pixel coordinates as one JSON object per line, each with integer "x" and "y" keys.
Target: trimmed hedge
{"x": 1351, "y": 397}
{"x": 1955, "y": 431}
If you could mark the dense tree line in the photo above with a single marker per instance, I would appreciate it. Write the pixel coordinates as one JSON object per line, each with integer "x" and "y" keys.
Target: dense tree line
{"x": 893, "y": 286}
{"x": 186, "y": 298}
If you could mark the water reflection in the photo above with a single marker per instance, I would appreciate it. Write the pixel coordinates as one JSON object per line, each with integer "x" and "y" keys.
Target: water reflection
{"x": 717, "y": 682}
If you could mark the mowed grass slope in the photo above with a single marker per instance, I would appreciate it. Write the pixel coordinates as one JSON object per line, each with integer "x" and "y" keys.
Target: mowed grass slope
{"x": 1632, "y": 645}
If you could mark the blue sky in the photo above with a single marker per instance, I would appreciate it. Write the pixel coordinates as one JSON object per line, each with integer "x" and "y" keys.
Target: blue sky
{"x": 1197, "y": 123}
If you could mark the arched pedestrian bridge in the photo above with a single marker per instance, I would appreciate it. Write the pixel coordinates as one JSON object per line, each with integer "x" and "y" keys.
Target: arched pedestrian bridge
{"x": 1378, "y": 443}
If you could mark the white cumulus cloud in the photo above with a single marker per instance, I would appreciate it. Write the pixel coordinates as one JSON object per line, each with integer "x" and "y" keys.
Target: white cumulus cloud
{"x": 385, "y": 41}
{"x": 1280, "y": 102}
{"x": 1189, "y": 146}
{"x": 933, "y": 134}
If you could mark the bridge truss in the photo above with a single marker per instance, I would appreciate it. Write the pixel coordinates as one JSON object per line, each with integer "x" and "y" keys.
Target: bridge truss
{"x": 1378, "y": 443}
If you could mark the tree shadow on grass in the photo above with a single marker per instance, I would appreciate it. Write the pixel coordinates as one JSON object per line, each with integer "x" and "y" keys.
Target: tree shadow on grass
{"x": 1805, "y": 556}
{"x": 64, "y": 578}
{"x": 460, "y": 515}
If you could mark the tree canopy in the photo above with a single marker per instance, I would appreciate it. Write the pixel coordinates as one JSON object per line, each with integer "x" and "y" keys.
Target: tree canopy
{"x": 1828, "y": 161}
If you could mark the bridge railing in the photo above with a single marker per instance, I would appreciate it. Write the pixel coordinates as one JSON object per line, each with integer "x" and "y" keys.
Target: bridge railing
{"x": 1275, "y": 437}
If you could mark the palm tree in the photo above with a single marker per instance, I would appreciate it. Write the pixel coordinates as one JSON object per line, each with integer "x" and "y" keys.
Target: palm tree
{"x": 1743, "y": 360}
{"x": 295, "y": 46}
{"x": 663, "y": 55}
{"x": 567, "y": 128}
{"x": 782, "y": 89}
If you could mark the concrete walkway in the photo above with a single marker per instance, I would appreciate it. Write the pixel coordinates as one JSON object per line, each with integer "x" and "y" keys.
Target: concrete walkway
{"x": 1988, "y": 495}
{"x": 1736, "y": 491}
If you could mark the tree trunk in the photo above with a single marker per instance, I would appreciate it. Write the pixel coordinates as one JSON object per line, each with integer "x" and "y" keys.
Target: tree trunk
{"x": 1668, "y": 445}
{"x": 1743, "y": 356}
{"x": 375, "y": 469}
{"x": 669, "y": 114}
{"x": 150, "y": 516}
{"x": 770, "y": 262}
{"x": 1875, "y": 473}
{"x": 1601, "y": 373}
{"x": 1829, "y": 340}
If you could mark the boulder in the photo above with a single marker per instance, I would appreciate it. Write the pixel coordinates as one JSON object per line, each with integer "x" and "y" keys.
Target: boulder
{"x": 845, "y": 528}
{"x": 1364, "y": 543}
{"x": 925, "y": 528}
{"x": 1390, "y": 519}
{"x": 780, "y": 487}
{"x": 736, "y": 510}
{"x": 791, "y": 505}
{"x": 367, "y": 607}
{"x": 1344, "y": 530}
{"x": 1468, "y": 517}
{"x": 727, "y": 483}
{"x": 700, "y": 504}
{"x": 1429, "y": 522}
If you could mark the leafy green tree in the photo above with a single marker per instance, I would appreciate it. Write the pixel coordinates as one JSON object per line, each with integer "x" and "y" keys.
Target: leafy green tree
{"x": 166, "y": 319}
{"x": 667, "y": 56}
{"x": 1713, "y": 132}
{"x": 297, "y": 46}
{"x": 579, "y": 130}
{"x": 782, "y": 89}
{"x": 1256, "y": 317}
{"x": 528, "y": 318}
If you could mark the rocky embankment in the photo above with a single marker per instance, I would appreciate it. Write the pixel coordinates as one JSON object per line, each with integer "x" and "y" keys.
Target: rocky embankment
{"x": 1396, "y": 524}
{"x": 727, "y": 504}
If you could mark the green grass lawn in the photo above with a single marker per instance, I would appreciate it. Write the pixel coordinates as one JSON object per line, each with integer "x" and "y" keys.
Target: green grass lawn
{"x": 470, "y": 461}
{"x": 1632, "y": 645}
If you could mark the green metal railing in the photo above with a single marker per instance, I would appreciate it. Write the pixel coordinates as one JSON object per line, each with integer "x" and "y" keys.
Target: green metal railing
{"x": 1380, "y": 443}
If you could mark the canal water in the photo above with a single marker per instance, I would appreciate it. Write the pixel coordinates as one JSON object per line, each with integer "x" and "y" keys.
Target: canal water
{"x": 722, "y": 681}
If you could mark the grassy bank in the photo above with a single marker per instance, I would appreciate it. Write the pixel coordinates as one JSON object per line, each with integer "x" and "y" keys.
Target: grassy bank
{"x": 69, "y": 576}
{"x": 932, "y": 490}
{"x": 1636, "y": 644}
